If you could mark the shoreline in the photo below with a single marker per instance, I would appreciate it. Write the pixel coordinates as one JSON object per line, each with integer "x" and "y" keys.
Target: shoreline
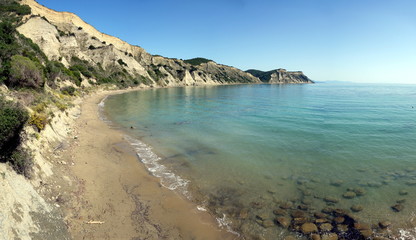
{"x": 116, "y": 197}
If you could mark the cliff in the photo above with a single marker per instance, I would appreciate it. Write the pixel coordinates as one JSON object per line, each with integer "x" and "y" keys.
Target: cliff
{"x": 280, "y": 76}
{"x": 66, "y": 38}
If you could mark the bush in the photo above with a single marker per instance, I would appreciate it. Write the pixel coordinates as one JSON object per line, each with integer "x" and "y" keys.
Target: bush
{"x": 22, "y": 162}
{"x": 121, "y": 62}
{"x": 69, "y": 90}
{"x": 25, "y": 73}
{"x": 12, "y": 119}
{"x": 38, "y": 120}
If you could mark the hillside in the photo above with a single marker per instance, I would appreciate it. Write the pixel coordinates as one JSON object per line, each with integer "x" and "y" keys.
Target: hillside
{"x": 67, "y": 39}
{"x": 280, "y": 76}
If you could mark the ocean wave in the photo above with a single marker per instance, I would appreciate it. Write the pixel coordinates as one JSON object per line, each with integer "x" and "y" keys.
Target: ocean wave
{"x": 168, "y": 179}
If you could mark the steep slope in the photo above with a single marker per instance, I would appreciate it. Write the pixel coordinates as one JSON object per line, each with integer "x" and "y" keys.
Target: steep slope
{"x": 66, "y": 38}
{"x": 280, "y": 76}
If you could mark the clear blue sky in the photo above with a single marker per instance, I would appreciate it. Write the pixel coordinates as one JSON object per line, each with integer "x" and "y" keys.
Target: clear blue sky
{"x": 345, "y": 40}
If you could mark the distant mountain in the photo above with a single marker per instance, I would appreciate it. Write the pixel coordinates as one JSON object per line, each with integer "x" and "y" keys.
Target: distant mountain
{"x": 280, "y": 76}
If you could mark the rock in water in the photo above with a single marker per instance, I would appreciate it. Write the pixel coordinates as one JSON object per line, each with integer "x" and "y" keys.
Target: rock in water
{"x": 331, "y": 200}
{"x": 398, "y": 207}
{"x": 326, "y": 227}
{"x": 349, "y": 195}
{"x": 356, "y": 208}
{"x": 283, "y": 221}
{"x": 308, "y": 228}
{"x": 329, "y": 236}
{"x": 384, "y": 224}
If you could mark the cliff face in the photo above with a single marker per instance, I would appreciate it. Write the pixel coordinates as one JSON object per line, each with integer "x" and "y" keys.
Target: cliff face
{"x": 280, "y": 76}
{"x": 63, "y": 37}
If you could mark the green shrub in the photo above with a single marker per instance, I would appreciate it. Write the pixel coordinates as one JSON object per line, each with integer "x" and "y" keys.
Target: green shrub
{"x": 38, "y": 120}
{"x": 69, "y": 90}
{"x": 22, "y": 162}
{"x": 25, "y": 73}
{"x": 12, "y": 119}
{"x": 197, "y": 61}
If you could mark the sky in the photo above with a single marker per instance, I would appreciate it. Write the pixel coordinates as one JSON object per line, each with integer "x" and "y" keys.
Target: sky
{"x": 344, "y": 40}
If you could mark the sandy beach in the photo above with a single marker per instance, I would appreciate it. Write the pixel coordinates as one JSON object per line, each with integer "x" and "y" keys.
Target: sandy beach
{"x": 114, "y": 196}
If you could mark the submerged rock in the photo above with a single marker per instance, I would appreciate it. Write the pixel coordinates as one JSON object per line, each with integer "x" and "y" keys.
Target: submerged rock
{"x": 308, "y": 228}
{"x": 403, "y": 192}
{"x": 326, "y": 227}
{"x": 267, "y": 223}
{"x": 283, "y": 221}
{"x": 286, "y": 205}
{"x": 342, "y": 228}
{"x": 329, "y": 236}
{"x": 384, "y": 224}
{"x": 315, "y": 237}
{"x": 337, "y": 182}
{"x": 280, "y": 212}
{"x": 331, "y": 200}
{"x": 359, "y": 191}
{"x": 398, "y": 207}
{"x": 357, "y": 208}
{"x": 298, "y": 214}
{"x": 349, "y": 195}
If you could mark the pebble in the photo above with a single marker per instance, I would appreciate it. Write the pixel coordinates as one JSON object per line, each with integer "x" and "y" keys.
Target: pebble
{"x": 331, "y": 200}
{"x": 329, "y": 236}
{"x": 359, "y": 191}
{"x": 337, "y": 183}
{"x": 315, "y": 237}
{"x": 268, "y": 223}
{"x": 286, "y": 205}
{"x": 401, "y": 201}
{"x": 342, "y": 228}
{"x": 339, "y": 219}
{"x": 283, "y": 221}
{"x": 326, "y": 227}
{"x": 321, "y": 220}
{"x": 398, "y": 207}
{"x": 356, "y": 208}
{"x": 262, "y": 216}
{"x": 366, "y": 233}
{"x": 411, "y": 182}
{"x": 297, "y": 214}
{"x": 361, "y": 226}
{"x": 308, "y": 228}
{"x": 384, "y": 224}
{"x": 403, "y": 192}
{"x": 280, "y": 212}
{"x": 349, "y": 195}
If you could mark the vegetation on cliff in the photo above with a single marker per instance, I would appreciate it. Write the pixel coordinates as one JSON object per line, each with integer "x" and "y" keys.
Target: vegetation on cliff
{"x": 197, "y": 61}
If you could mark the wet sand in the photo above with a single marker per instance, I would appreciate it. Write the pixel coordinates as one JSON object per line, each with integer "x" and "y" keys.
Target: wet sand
{"x": 116, "y": 198}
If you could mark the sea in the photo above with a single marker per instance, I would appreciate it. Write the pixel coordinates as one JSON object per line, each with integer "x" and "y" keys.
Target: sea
{"x": 249, "y": 153}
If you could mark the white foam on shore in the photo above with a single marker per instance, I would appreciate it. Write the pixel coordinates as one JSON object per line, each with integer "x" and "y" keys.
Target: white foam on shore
{"x": 152, "y": 162}
{"x": 225, "y": 223}
{"x": 407, "y": 234}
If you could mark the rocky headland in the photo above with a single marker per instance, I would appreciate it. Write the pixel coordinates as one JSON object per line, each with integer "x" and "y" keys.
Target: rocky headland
{"x": 280, "y": 76}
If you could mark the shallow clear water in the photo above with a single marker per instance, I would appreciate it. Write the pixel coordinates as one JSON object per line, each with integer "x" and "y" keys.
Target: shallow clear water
{"x": 257, "y": 146}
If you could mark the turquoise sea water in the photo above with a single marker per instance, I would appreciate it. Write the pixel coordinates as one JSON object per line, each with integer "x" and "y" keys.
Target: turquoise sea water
{"x": 242, "y": 151}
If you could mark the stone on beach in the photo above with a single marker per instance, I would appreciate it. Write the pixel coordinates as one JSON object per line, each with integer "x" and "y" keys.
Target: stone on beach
{"x": 384, "y": 224}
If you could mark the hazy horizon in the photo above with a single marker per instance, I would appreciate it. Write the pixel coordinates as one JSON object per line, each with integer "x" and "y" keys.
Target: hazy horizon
{"x": 371, "y": 41}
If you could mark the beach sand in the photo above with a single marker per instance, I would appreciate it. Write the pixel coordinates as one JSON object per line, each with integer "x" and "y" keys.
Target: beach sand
{"x": 115, "y": 197}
